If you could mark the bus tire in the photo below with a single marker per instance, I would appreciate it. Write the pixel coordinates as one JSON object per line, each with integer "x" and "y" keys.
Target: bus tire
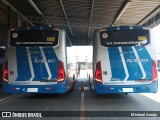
{"x": 73, "y": 81}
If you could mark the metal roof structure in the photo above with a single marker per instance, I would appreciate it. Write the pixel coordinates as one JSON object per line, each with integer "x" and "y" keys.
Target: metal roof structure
{"x": 81, "y": 17}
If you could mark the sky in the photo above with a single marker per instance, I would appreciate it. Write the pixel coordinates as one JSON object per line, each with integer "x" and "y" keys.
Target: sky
{"x": 83, "y": 51}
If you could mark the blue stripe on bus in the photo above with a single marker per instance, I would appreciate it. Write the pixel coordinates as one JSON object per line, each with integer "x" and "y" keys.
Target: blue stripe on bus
{"x": 117, "y": 69}
{"x": 35, "y": 28}
{"x": 144, "y": 55}
{"x": 23, "y": 69}
{"x": 39, "y": 67}
{"x": 133, "y": 67}
{"x": 53, "y": 61}
{"x": 111, "y": 28}
{"x": 124, "y": 28}
{"x": 138, "y": 27}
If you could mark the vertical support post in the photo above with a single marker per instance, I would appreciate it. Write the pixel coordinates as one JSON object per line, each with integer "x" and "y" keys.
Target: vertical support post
{"x": 9, "y": 17}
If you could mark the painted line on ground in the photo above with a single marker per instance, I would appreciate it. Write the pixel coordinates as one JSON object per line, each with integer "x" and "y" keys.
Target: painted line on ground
{"x": 82, "y": 105}
{"x": 9, "y": 98}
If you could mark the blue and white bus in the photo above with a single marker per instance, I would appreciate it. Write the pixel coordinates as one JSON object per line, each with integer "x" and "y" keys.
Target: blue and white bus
{"x": 36, "y": 61}
{"x": 124, "y": 61}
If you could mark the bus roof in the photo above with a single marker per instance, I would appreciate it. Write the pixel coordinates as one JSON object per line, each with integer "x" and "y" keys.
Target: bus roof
{"x": 35, "y": 28}
{"x": 114, "y": 28}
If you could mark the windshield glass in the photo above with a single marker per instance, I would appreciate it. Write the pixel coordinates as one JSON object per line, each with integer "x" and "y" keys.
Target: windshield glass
{"x": 34, "y": 37}
{"x": 121, "y": 38}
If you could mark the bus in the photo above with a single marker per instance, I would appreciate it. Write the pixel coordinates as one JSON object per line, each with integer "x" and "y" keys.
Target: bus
{"x": 124, "y": 61}
{"x": 36, "y": 61}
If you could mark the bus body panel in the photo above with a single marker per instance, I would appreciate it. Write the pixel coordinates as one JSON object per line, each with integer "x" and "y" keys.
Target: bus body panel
{"x": 124, "y": 69}
{"x": 34, "y": 69}
{"x": 126, "y": 64}
{"x": 32, "y": 64}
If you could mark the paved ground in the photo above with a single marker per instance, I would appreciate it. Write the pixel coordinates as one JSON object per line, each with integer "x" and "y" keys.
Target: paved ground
{"x": 78, "y": 100}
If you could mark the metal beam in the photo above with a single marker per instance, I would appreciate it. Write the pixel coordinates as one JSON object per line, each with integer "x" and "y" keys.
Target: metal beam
{"x": 35, "y": 7}
{"x": 122, "y": 10}
{"x": 150, "y": 15}
{"x": 154, "y": 21}
{"x": 69, "y": 40}
{"x": 74, "y": 25}
{"x": 90, "y": 17}
{"x": 66, "y": 17}
{"x": 14, "y": 9}
{"x": 9, "y": 17}
{"x": 38, "y": 10}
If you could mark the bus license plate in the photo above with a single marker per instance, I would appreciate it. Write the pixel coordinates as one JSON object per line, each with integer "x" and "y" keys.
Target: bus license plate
{"x": 127, "y": 89}
{"x": 32, "y": 89}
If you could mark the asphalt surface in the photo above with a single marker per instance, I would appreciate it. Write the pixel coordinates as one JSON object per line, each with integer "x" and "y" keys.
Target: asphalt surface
{"x": 69, "y": 104}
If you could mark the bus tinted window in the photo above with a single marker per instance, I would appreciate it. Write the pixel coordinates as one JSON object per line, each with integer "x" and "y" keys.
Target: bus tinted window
{"x": 34, "y": 37}
{"x": 120, "y": 38}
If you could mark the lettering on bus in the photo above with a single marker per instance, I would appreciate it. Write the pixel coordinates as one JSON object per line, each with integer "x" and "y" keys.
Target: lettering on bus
{"x": 33, "y": 43}
{"x": 137, "y": 60}
{"x": 44, "y": 61}
{"x": 122, "y": 43}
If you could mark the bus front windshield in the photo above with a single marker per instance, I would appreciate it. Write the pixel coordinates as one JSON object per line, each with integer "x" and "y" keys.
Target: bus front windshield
{"x": 34, "y": 38}
{"x": 124, "y": 38}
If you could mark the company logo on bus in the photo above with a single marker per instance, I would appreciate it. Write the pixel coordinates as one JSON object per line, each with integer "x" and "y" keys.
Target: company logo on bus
{"x": 104, "y": 35}
{"x": 14, "y": 35}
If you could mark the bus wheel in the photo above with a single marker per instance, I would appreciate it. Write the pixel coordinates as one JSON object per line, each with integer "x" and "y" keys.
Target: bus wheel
{"x": 89, "y": 78}
{"x": 73, "y": 82}
{"x": 73, "y": 79}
